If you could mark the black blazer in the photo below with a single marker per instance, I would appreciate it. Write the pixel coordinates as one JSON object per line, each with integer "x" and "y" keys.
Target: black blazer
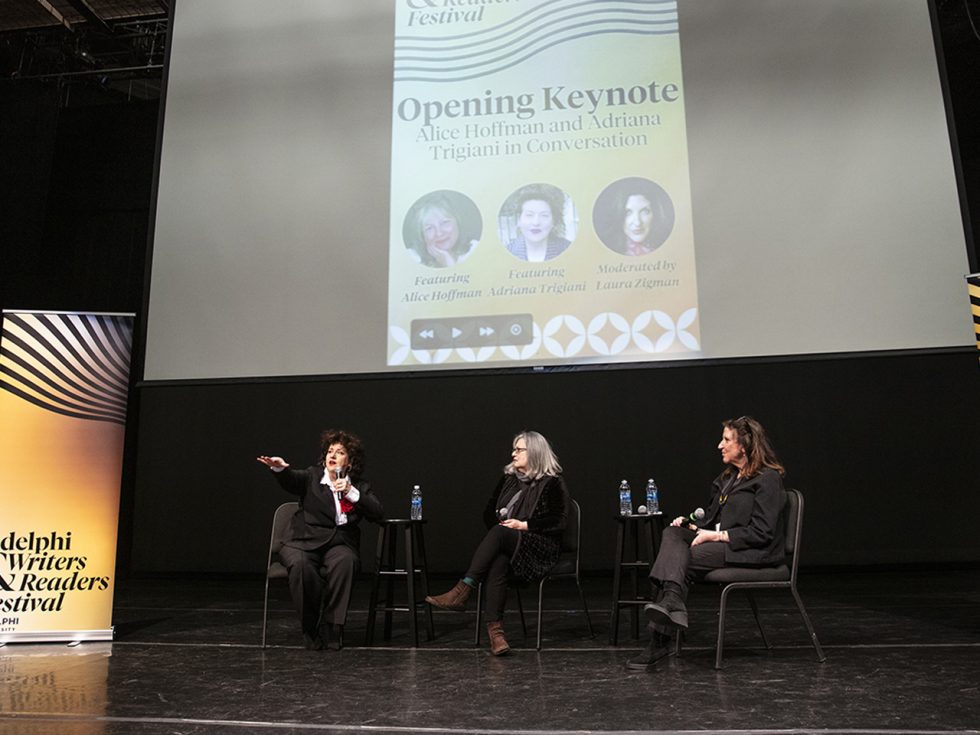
{"x": 753, "y": 517}
{"x": 315, "y": 522}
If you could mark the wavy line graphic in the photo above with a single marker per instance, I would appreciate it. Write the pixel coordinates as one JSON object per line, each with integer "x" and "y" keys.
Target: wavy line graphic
{"x": 544, "y": 10}
{"x": 72, "y": 364}
{"x": 504, "y": 51}
{"x": 521, "y": 59}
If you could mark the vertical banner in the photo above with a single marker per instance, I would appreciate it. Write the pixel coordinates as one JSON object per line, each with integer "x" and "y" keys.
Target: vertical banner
{"x": 973, "y": 284}
{"x": 540, "y": 199}
{"x": 65, "y": 379}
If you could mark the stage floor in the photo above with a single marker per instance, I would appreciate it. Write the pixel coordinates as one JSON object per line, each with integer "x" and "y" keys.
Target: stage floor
{"x": 903, "y": 656}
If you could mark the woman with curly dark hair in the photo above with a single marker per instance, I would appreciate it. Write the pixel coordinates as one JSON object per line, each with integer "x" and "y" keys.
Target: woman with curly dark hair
{"x": 321, "y": 545}
{"x": 538, "y": 214}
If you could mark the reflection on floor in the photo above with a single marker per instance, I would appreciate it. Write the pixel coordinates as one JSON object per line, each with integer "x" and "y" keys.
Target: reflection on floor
{"x": 903, "y": 655}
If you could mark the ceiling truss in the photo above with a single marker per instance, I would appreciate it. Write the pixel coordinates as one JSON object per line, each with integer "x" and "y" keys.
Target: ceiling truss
{"x": 114, "y": 45}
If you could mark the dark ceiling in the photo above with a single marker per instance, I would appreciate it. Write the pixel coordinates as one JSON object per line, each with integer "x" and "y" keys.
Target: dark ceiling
{"x": 116, "y": 45}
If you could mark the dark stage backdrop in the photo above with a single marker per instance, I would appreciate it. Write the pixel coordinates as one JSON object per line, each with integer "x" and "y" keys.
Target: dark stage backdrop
{"x": 883, "y": 448}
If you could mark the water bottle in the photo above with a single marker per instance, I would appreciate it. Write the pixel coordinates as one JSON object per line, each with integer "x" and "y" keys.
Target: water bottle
{"x": 625, "y": 499}
{"x": 653, "y": 497}
{"x": 416, "y": 503}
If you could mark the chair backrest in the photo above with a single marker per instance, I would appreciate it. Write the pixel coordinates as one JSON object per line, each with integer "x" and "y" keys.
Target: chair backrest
{"x": 794, "y": 527}
{"x": 280, "y": 522}
{"x": 571, "y": 540}
{"x": 571, "y": 537}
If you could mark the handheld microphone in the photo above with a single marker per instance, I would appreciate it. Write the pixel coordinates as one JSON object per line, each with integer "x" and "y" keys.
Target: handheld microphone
{"x": 502, "y": 514}
{"x": 696, "y": 516}
{"x": 340, "y": 472}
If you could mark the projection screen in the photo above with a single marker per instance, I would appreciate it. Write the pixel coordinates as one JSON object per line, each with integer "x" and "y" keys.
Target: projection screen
{"x": 378, "y": 186}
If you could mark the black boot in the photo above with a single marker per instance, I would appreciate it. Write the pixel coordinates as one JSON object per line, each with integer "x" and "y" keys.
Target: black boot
{"x": 671, "y": 609}
{"x": 657, "y": 648}
{"x": 312, "y": 641}
{"x": 335, "y": 637}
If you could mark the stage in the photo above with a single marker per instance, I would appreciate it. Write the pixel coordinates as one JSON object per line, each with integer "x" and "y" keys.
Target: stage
{"x": 903, "y": 656}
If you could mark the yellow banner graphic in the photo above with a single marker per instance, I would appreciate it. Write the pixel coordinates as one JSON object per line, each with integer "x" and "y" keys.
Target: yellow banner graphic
{"x": 64, "y": 380}
{"x": 973, "y": 284}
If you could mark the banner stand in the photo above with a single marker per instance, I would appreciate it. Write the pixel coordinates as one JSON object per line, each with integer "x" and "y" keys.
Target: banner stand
{"x": 65, "y": 379}
{"x": 973, "y": 285}
{"x": 72, "y": 637}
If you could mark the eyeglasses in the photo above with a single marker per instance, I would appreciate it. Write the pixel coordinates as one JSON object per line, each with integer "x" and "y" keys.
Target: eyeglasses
{"x": 520, "y": 449}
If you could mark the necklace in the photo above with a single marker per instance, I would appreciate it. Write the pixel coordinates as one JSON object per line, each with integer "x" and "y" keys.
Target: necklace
{"x": 726, "y": 491}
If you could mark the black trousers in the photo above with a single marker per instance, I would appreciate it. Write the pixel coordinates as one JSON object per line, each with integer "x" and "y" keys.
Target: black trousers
{"x": 491, "y": 566}
{"x": 679, "y": 562}
{"x": 325, "y": 574}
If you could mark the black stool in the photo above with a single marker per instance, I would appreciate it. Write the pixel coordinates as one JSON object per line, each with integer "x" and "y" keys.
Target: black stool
{"x": 650, "y": 525}
{"x": 386, "y": 566}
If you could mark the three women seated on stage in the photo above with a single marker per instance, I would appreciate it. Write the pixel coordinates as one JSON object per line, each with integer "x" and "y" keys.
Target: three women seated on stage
{"x": 526, "y": 516}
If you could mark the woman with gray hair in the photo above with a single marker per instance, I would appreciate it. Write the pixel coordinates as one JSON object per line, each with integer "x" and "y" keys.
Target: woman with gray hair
{"x": 525, "y": 517}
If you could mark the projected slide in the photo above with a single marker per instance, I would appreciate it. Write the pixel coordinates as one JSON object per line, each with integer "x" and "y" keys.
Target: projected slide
{"x": 540, "y": 190}
{"x": 424, "y": 185}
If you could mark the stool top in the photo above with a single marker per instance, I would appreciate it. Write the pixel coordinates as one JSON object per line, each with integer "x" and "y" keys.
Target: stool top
{"x": 399, "y": 520}
{"x": 638, "y": 516}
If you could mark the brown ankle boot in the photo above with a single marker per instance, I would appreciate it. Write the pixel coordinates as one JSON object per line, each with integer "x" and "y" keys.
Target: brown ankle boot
{"x": 498, "y": 643}
{"x": 455, "y": 599}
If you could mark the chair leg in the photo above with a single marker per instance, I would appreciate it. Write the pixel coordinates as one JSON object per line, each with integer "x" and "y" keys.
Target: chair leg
{"x": 758, "y": 622}
{"x": 413, "y": 605}
{"x": 479, "y": 614}
{"x": 809, "y": 626}
{"x": 430, "y": 631}
{"x": 520, "y": 609}
{"x": 265, "y": 610}
{"x": 392, "y": 539}
{"x": 540, "y": 609}
{"x": 720, "y": 644}
{"x": 585, "y": 607}
{"x": 375, "y": 587}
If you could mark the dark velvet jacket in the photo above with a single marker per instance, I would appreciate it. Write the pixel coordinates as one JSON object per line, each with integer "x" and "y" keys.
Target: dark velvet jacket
{"x": 315, "y": 522}
{"x": 753, "y": 517}
{"x": 539, "y": 546}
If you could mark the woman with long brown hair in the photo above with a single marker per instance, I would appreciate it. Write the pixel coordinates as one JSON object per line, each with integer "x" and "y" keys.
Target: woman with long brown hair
{"x": 742, "y": 526}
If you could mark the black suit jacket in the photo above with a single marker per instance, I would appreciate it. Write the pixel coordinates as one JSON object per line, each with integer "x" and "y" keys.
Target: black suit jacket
{"x": 315, "y": 522}
{"x": 753, "y": 517}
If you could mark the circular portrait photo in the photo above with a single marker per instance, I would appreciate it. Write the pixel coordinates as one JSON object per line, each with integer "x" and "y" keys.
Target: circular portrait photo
{"x": 442, "y": 229}
{"x": 633, "y": 216}
{"x": 537, "y": 222}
